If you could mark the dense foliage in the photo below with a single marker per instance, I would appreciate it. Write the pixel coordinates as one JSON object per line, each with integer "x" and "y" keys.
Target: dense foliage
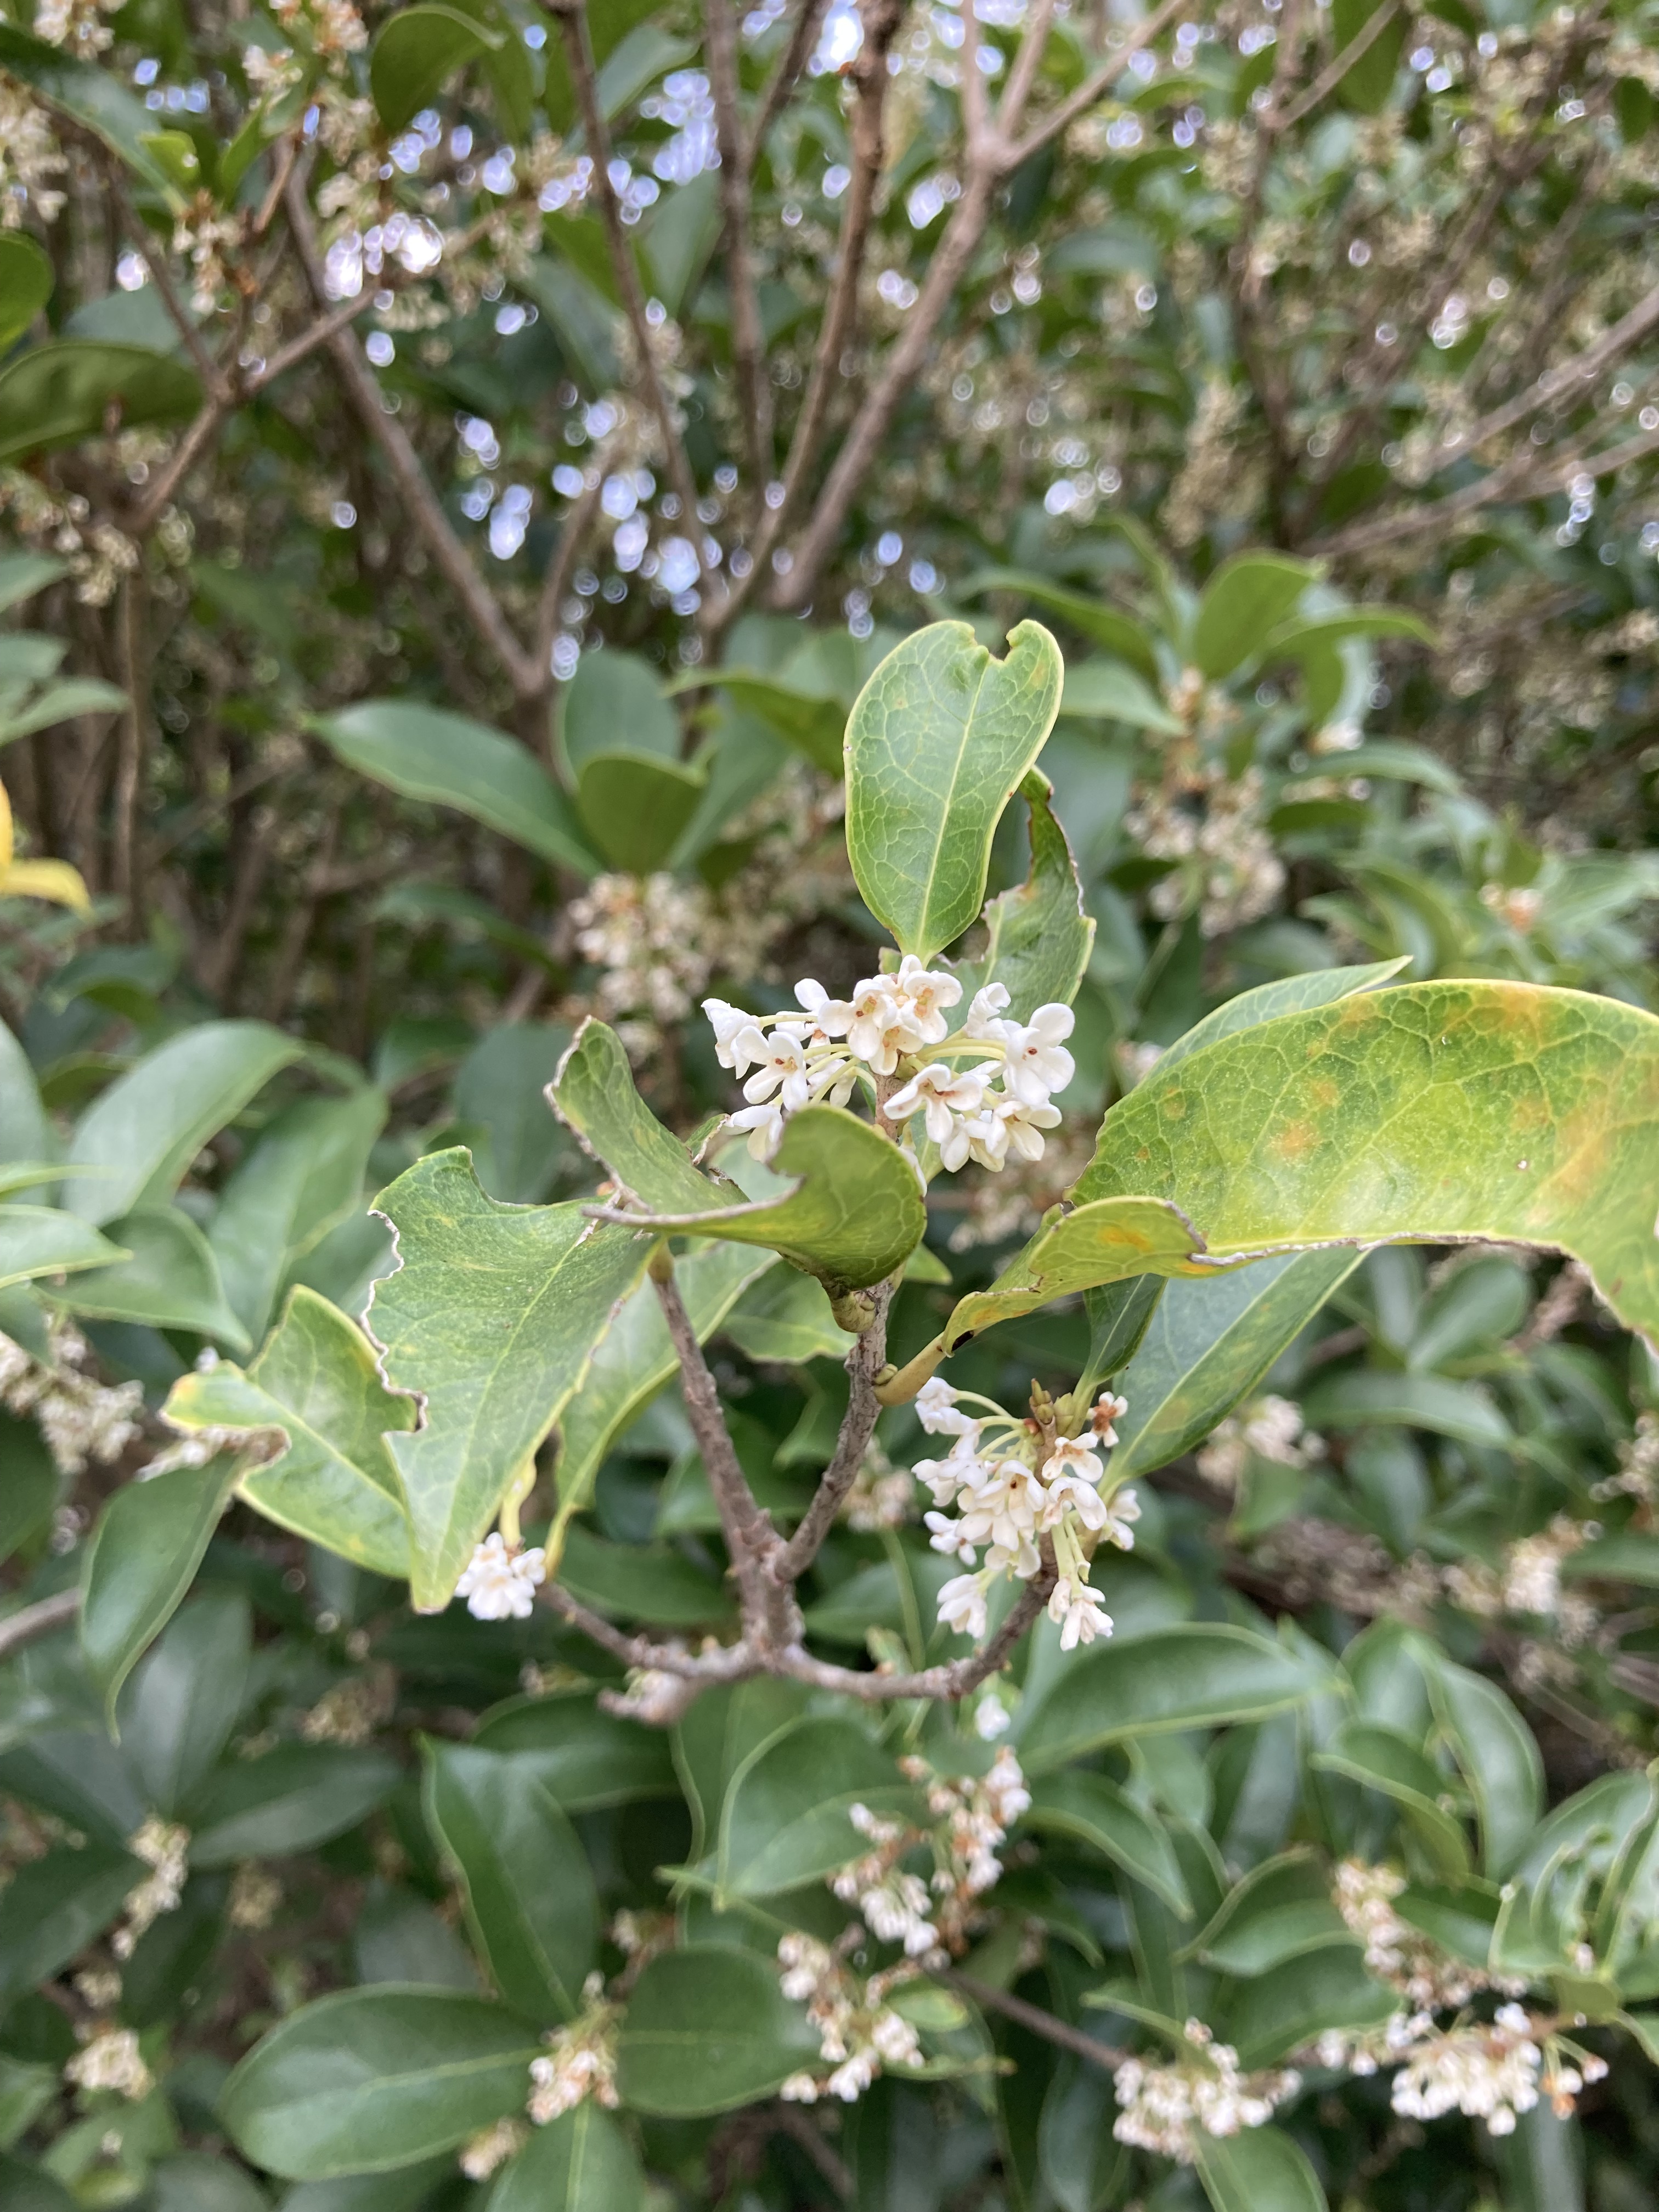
{"x": 1085, "y": 581}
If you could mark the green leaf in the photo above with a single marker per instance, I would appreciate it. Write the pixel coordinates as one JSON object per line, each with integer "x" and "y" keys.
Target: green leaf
{"x": 168, "y": 1280}
{"x": 79, "y": 695}
{"x": 149, "y": 1540}
{"x": 685, "y": 227}
{"x": 58, "y": 394}
{"x": 142, "y": 1133}
{"x": 1281, "y": 1910}
{"x": 813, "y": 722}
{"x": 32, "y": 2189}
{"x": 25, "y": 282}
{"x": 1383, "y": 1760}
{"x": 1208, "y": 1345}
{"x": 634, "y": 807}
{"x": 641, "y": 1582}
{"x": 366, "y": 2080}
{"x": 1195, "y": 1676}
{"x": 414, "y": 53}
{"x": 32, "y": 1481}
{"x": 1258, "y": 2170}
{"x": 786, "y": 1318}
{"x": 530, "y": 1899}
{"x": 1088, "y": 1807}
{"x": 583, "y": 1757}
{"x": 291, "y": 1799}
{"x": 709, "y": 2028}
{"x": 1292, "y": 994}
{"x": 724, "y": 1731}
{"x": 336, "y": 1483}
{"x": 23, "y": 574}
{"x": 635, "y": 1358}
{"x": 1378, "y": 1397}
{"x": 501, "y": 1096}
{"x": 1039, "y": 935}
{"x": 95, "y": 98}
{"x": 615, "y": 702}
{"x": 25, "y": 2089}
{"x": 1434, "y": 1111}
{"x": 454, "y": 761}
{"x": 854, "y": 1214}
{"x": 302, "y": 1176}
{"x": 40, "y": 1240}
{"x": 54, "y": 1906}
{"x": 1106, "y": 625}
{"x": 1246, "y": 599}
{"x": 495, "y": 1363}
{"x": 582, "y": 2162}
{"x": 1368, "y": 80}
{"x": 1295, "y": 638}
{"x": 785, "y": 1821}
{"x": 1106, "y": 691}
{"x": 1500, "y": 1761}
{"x": 937, "y": 743}
{"x": 1277, "y": 2012}
{"x": 184, "y": 1698}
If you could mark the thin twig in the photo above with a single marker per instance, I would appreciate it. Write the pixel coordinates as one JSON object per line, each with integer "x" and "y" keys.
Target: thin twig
{"x": 573, "y": 24}
{"x": 1582, "y": 369}
{"x": 728, "y": 1662}
{"x": 425, "y": 511}
{"x": 212, "y": 375}
{"x": 127, "y": 854}
{"x": 953, "y": 1680}
{"x": 37, "y": 1620}
{"x": 784, "y": 78}
{"x": 563, "y": 565}
{"x": 748, "y": 333}
{"x": 863, "y": 1364}
{"x": 1060, "y": 2032}
{"x": 1094, "y": 88}
{"x": 183, "y": 458}
{"x": 1329, "y": 77}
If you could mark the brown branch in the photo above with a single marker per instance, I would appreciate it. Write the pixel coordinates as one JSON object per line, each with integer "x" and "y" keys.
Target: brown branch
{"x": 864, "y": 1362}
{"x": 1093, "y": 89}
{"x": 190, "y": 449}
{"x": 1329, "y": 77}
{"x": 1103, "y": 2054}
{"x": 37, "y": 1620}
{"x": 729, "y": 1662}
{"x": 1548, "y": 389}
{"x": 573, "y": 25}
{"x": 953, "y": 1680}
{"x": 748, "y": 333}
{"x": 785, "y": 77}
{"x": 213, "y": 377}
{"x": 424, "y": 509}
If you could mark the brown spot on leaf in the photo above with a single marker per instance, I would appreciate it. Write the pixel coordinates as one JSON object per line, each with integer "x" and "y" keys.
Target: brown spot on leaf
{"x": 1324, "y": 1095}
{"x": 1295, "y": 1142}
{"x": 1175, "y": 1107}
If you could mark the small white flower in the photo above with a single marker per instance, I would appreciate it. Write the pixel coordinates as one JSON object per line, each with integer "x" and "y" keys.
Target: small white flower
{"x": 881, "y": 1029}
{"x": 1009, "y": 1125}
{"x": 1108, "y": 1408}
{"x": 943, "y": 1096}
{"x": 782, "y": 1068}
{"x": 925, "y": 994}
{"x": 1037, "y": 1060}
{"x": 765, "y": 1126}
{"x": 946, "y": 1536}
{"x": 991, "y": 1719}
{"x": 1076, "y": 1607}
{"x": 499, "y": 1584}
{"x": 962, "y": 1604}
{"x": 1122, "y": 1512}
{"x": 960, "y": 1469}
{"x": 833, "y": 1016}
{"x": 1073, "y": 1456}
{"x": 729, "y": 1023}
{"x": 936, "y": 1409}
{"x": 981, "y": 1019}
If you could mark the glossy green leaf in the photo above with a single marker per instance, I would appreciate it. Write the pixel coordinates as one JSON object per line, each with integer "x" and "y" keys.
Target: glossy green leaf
{"x": 142, "y": 1133}
{"x": 40, "y": 1240}
{"x": 709, "y": 2028}
{"x": 1038, "y": 936}
{"x": 1195, "y": 1676}
{"x": 583, "y": 2161}
{"x": 29, "y": 1490}
{"x": 594, "y": 1094}
{"x": 1281, "y": 1910}
{"x": 1086, "y": 1805}
{"x": 291, "y": 1799}
{"x": 25, "y": 1133}
{"x": 813, "y": 723}
{"x": 723, "y": 1732}
{"x": 182, "y": 1701}
{"x": 529, "y": 1897}
{"x": 1380, "y": 1397}
{"x": 615, "y": 702}
{"x": 1506, "y": 1111}
{"x": 1109, "y": 626}
{"x": 1291, "y": 994}
{"x": 94, "y": 98}
{"x": 634, "y": 1359}
{"x": 784, "y": 1317}
{"x": 25, "y": 282}
{"x": 634, "y": 807}
{"x": 583, "y": 1756}
{"x": 23, "y": 574}
{"x": 149, "y": 1540}
{"x": 371, "y": 2079}
{"x": 519, "y": 1148}
{"x": 785, "y": 1821}
{"x": 1258, "y": 2170}
{"x": 937, "y": 743}
{"x": 336, "y": 1483}
{"x": 58, "y": 394}
{"x": 54, "y": 1906}
{"x": 1499, "y": 1757}
{"x": 495, "y": 1367}
{"x": 415, "y": 51}
{"x": 1368, "y": 80}
{"x": 641, "y": 1582}
{"x": 1106, "y": 691}
{"x": 25, "y": 2089}
{"x": 453, "y": 761}
{"x": 304, "y": 1174}
{"x": 169, "y": 1280}
{"x": 32, "y": 2189}
{"x": 1382, "y": 1759}
{"x": 1208, "y": 1345}
{"x": 59, "y": 703}
{"x": 1243, "y": 602}
{"x": 1278, "y": 2012}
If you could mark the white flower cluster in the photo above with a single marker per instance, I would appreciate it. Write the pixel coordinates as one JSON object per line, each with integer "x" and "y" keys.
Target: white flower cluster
{"x": 80, "y": 1419}
{"x": 1165, "y": 2108}
{"x": 499, "y": 1584}
{"x": 1010, "y": 1487}
{"x": 1532, "y": 1566}
{"x": 1269, "y": 1426}
{"x": 1490, "y": 2073}
{"x": 164, "y": 1848}
{"x": 1429, "y": 1978}
{"x": 111, "y": 2061}
{"x": 255, "y": 1897}
{"x": 580, "y": 2060}
{"x": 491, "y": 2147}
{"x": 986, "y": 1112}
{"x": 859, "y": 2031}
{"x": 1213, "y": 824}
